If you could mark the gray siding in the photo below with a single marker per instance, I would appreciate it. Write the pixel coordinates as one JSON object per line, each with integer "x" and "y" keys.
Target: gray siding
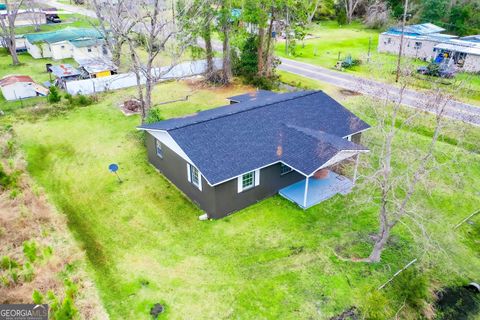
{"x": 230, "y": 200}
{"x": 174, "y": 168}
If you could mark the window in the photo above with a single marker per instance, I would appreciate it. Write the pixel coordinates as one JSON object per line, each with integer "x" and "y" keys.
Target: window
{"x": 418, "y": 45}
{"x": 89, "y": 49}
{"x": 194, "y": 176}
{"x": 63, "y": 47}
{"x": 248, "y": 180}
{"x": 284, "y": 169}
{"x": 158, "y": 146}
{"x": 389, "y": 40}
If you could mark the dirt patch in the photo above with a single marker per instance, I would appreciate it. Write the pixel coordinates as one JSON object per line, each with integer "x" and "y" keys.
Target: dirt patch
{"x": 131, "y": 107}
{"x": 27, "y": 218}
{"x": 349, "y": 93}
{"x": 349, "y": 314}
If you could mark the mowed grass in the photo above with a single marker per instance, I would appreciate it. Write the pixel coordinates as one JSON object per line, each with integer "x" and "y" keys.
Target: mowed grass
{"x": 272, "y": 260}
{"x": 331, "y": 41}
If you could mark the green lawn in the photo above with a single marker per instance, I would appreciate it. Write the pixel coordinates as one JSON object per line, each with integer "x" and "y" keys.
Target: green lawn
{"x": 68, "y": 20}
{"x": 271, "y": 260}
{"x": 331, "y": 41}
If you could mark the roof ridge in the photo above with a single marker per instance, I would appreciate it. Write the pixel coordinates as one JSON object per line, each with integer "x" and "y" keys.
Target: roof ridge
{"x": 307, "y": 93}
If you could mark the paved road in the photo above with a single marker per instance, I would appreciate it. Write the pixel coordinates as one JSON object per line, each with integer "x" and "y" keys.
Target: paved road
{"x": 454, "y": 109}
{"x": 70, "y": 7}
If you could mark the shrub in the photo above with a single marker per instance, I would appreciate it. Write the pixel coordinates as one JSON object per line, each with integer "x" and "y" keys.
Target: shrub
{"x": 30, "y": 250}
{"x": 53, "y": 95}
{"x": 83, "y": 101}
{"x": 154, "y": 115}
{"x": 7, "y": 263}
{"x": 28, "y": 272}
{"x": 37, "y": 297}
{"x": 8, "y": 181}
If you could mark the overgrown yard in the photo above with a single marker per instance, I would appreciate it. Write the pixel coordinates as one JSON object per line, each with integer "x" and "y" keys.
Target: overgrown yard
{"x": 330, "y": 41}
{"x": 272, "y": 260}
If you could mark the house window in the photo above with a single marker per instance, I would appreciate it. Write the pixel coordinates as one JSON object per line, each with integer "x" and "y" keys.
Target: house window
{"x": 194, "y": 176}
{"x": 158, "y": 146}
{"x": 418, "y": 45}
{"x": 248, "y": 180}
{"x": 89, "y": 49}
{"x": 284, "y": 169}
{"x": 389, "y": 40}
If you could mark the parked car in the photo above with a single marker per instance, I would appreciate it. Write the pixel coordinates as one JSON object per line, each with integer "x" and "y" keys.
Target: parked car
{"x": 437, "y": 70}
{"x": 53, "y": 18}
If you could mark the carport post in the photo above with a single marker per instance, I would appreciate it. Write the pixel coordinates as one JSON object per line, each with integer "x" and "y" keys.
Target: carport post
{"x": 356, "y": 168}
{"x": 305, "y": 194}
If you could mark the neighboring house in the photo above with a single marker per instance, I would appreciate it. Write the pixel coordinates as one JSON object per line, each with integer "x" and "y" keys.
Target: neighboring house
{"x": 464, "y": 55}
{"x": 80, "y": 43}
{"x": 418, "y": 42}
{"x": 425, "y": 41}
{"x": 228, "y": 158}
{"x": 20, "y": 87}
{"x": 26, "y": 17}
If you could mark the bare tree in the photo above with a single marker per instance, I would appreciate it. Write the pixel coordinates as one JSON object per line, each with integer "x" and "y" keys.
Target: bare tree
{"x": 36, "y": 17}
{"x": 397, "y": 186}
{"x": 226, "y": 7}
{"x": 350, "y": 7}
{"x": 113, "y": 23}
{"x": 152, "y": 35}
{"x": 7, "y": 28}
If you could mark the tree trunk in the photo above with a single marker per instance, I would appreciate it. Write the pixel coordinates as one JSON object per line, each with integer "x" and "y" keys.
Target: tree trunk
{"x": 207, "y": 38}
{"x": 261, "y": 36}
{"x": 12, "y": 48}
{"x": 312, "y": 14}
{"x": 226, "y": 63}
{"x": 117, "y": 52}
{"x": 268, "y": 54}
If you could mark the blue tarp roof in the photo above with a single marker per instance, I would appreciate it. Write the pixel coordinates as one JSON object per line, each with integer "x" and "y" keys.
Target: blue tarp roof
{"x": 417, "y": 29}
{"x": 303, "y": 129}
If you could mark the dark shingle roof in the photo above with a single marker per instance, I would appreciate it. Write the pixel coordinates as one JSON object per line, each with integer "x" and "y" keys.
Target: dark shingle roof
{"x": 263, "y": 95}
{"x": 303, "y": 129}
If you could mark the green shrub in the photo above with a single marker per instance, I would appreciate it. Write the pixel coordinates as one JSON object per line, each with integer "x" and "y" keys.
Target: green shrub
{"x": 30, "y": 250}
{"x": 7, "y": 263}
{"x": 154, "y": 115}
{"x": 83, "y": 100}
{"x": 28, "y": 272}
{"x": 37, "y": 297}
{"x": 53, "y": 95}
{"x": 8, "y": 181}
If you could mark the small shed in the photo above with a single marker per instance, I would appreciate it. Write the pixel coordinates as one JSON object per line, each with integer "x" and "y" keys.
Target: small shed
{"x": 96, "y": 68}
{"x": 64, "y": 73}
{"x": 15, "y": 87}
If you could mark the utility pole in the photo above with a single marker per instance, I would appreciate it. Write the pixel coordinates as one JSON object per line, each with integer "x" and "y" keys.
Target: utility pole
{"x": 401, "y": 40}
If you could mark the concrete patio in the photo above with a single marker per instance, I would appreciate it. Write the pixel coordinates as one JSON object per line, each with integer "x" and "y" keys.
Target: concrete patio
{"x": 318, "y": 190}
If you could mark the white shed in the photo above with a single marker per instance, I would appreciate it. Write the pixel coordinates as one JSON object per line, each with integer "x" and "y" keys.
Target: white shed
{"x": 20, "y": 87}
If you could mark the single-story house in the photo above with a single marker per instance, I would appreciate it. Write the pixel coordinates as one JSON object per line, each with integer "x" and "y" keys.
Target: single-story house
{"x": 26, "y": 17}
{"x": 465, "y": 55}
{"x": 418, "y": 41}
{"x": 228, "y": 158}
{"x": 96, "y": 68}
{"x": 80, "y": 43}
{"x": 15, "y": 87}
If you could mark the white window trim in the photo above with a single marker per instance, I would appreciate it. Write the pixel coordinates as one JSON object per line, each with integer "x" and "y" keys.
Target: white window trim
{"x": 157, "y": 144}
{"x": 256, "y": 182}
{"x": 189, "y": 176}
